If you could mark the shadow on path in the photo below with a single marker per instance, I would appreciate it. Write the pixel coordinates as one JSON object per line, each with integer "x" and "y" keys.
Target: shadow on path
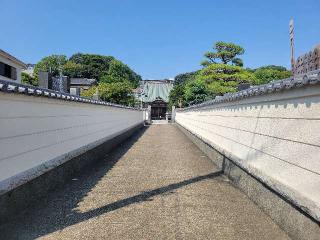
{"x": 144, "y": 196}
{"x": 59, "y": 209}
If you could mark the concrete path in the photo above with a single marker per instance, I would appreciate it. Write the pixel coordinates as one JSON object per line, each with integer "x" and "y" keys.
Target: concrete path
{"x": 158, "y": 185}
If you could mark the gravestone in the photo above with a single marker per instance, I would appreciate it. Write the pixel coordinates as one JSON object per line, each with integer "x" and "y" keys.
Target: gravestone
{"x": 45, "y": 80}
{"x": 75, "y": 91}
{"x": 61, "y": 84}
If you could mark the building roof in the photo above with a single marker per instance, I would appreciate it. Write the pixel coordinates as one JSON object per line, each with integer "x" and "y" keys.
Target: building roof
{"x": 156, "y": 90}
{"x": 12, "y": 59}
{"x": 82, "y": 81}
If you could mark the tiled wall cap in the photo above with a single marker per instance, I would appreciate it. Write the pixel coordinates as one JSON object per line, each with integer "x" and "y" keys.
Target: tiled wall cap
{"x": 310, "y": 78}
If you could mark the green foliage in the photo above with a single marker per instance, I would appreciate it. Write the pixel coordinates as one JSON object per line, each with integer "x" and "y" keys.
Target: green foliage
{"x": 176, "y": 96}
{"x": 103, "y": 68}
{"x": 196, "y": 92}
{"x": 90, "y": 92}
{"x": 185, "y": 77}
{"x": 119, "y": 72}
{"x": 92, "y": 65}
{"x": 237, "y": 62}
{"x": 114, "y": 92}
{"x": 116, "y": 79}
{"x": 72, "y": 69}
{"x": 224, "y": 53}
{"x": 52, "y": 64}
{"x": 270, "y": 73}
{"x": 29, "y": 80}
{"x": 223, "y": 78}
{"x": 273, "y": 67}
{"x": 223, "y": 72}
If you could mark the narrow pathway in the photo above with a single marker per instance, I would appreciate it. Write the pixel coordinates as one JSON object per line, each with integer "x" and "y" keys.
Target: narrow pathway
{"x": 157, "y": 185}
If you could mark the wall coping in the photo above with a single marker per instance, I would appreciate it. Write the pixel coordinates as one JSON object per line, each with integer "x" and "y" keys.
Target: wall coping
{"x": 18, "y": 88}
{"x": 297, "y": 81}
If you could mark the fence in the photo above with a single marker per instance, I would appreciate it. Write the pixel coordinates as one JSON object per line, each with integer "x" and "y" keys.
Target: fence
{"x": 272, "y": 131}
{"x": 41, "y": 129}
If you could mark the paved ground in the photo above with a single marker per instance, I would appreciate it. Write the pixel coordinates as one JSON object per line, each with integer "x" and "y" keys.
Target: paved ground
{"x": 158, "y": 185}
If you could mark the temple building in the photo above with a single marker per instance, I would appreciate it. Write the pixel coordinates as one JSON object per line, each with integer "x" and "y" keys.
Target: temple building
{"x": 155, "y": 93}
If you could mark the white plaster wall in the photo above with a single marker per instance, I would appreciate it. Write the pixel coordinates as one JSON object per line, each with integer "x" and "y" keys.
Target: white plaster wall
{"x": 37, "y": 134}
{"x": 276, "y": 137}
{"x": 19, "y": 69}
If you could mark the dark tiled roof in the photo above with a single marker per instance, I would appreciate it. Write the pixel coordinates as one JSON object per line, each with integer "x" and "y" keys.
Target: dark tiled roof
{"x": 18, "y": 88}
{"x": 310, "y": 78}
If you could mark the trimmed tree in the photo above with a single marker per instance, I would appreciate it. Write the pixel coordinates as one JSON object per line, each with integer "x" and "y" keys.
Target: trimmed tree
{"x": 224, "y": 53}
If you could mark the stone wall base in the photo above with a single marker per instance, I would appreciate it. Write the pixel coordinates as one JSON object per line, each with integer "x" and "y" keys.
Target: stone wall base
{"x": 296, "y": 223}
{"x": 28, "y": 194}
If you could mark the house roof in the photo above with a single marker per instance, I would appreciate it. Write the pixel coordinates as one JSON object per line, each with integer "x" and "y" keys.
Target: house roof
{"x": 82, "y": 81}
{"x": 12, "y": 59}
{"x": 156, "y": 90}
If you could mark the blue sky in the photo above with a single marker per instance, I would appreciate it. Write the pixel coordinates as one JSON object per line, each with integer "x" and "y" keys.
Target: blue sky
{"x": 158, "y": 39}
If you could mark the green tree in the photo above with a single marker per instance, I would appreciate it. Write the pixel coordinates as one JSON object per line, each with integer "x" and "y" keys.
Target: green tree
{"x": 270, "y": 73}
{"x": 196, "y": 92}
{"x": 29, "y": 80}
{"x": 223, "y": 78}
{"x": 118, "y": 72}
{"x": 103, "y": 68}
{"x": 114, "y": 92}
{"x": 185, "y": 77}
{"x": 176, "y": 96}
{"x": 224, "y": 53}
{"x": 237, "y": 62}
{"x": 72, "y": 69}
{"x": 92, "y": 64}
{"x": 274, "y": 67}
{"x": 52, "y": 64}
{"x": 223, "y": 70}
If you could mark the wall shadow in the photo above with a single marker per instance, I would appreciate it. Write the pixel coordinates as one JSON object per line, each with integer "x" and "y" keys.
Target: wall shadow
{"x": 59, "y": 209}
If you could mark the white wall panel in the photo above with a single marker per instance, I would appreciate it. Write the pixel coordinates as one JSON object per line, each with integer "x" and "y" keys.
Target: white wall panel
{"x": 275, "y": 136}
{"x": 34, "y": 131}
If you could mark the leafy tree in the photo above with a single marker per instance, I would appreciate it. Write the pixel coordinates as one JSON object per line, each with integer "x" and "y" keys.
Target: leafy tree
{"x": 270, "y": 73}
{"x": 103, "y": 68}
{"x": 29, "y": 80}
{"x": 224, "y": 53}
{"x": 52, "y": 64}
{"x": 185, "y": 77}
{"x": 117, "y": 92}
{"x": 176, "y": 96}
{"x": 114, "y": 92}
{"x": 72, "y": 69}
{"x": 92, "y": 64}
{"x": 273, "y": 67}
{"x": 223, "y": 78}
{"x": 222, "y": 73}
{"x": 237, "y": 62}
{"x": 118, "y": 72}
{"x": 196, "y": 92}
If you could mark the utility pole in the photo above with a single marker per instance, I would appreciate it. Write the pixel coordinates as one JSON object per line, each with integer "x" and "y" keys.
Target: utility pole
{"x": 291, "y": 32}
